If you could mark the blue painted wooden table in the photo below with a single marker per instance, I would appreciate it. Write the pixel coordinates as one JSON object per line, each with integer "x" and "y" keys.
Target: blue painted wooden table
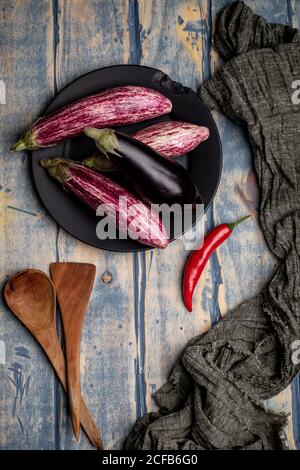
{"x": 136, "y": 325}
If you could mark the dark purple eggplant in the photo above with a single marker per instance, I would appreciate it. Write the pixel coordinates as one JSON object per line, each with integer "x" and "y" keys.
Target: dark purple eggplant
{"x": 155, "y": 178}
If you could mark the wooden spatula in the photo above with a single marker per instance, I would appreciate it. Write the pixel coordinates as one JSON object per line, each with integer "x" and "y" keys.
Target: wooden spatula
{"x": 30, "y": 295}
{"x": 73, "y": 283}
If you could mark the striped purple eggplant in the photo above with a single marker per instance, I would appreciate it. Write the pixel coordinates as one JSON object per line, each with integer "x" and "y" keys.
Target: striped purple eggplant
{"x": 94, "y": 189}
{"x": 172, "y": 138}
{"x": 114, "y": 107}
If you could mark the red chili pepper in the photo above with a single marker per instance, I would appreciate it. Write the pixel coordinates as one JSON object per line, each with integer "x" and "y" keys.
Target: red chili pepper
{"x": 198, "y": 259}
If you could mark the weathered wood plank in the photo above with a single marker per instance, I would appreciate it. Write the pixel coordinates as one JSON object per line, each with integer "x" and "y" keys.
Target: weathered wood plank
{"x": 91, "y": 34}
{"x": 294, "y": 13}
{"x": 246, "y": 263}
{"x": 294, "y": 20}
{"x": 137, "y": 324}
{"x": 173, "y": 39}
{"x": 27, "y": 234}
{"x": 108, "y": 348}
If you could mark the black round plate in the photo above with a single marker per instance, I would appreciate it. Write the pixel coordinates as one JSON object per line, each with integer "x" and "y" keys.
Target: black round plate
{"x": 204, "y": 163}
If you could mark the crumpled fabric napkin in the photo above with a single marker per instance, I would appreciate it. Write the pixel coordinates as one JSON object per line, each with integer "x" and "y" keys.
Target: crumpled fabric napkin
{"x": 213, "y": 397}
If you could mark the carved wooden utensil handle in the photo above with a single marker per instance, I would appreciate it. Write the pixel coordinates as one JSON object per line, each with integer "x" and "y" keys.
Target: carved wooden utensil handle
{"x": 73, "y": 283}
{"x": 57, "y": 359}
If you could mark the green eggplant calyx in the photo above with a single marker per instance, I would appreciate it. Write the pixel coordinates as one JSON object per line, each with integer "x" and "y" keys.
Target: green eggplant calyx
{"x": 99, "y": 163}
{"x": 57, "y": 168}
{"x": 105, "y": 139}
{"x": 25, "y": 143}
{"x": 18, "y": 146}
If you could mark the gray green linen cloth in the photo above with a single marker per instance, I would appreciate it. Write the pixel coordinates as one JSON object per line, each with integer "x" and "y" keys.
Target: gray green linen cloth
{"x": 213, "y": 397}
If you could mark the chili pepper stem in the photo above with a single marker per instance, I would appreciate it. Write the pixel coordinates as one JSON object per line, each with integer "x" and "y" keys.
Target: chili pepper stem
{"x": 237, "y": 222}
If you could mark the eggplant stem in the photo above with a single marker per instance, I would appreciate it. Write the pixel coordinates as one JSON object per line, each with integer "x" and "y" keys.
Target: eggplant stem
{"x": 99, "y": 162}
{"x": 18, "y": 146}
{"x": 25, "y": 143}
{"x": 105, "y": 139}
{"x": 57, "y": 168}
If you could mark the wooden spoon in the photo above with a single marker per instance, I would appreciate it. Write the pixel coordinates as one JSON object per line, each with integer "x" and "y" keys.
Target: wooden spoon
{"x": 73, "y": 283}
{"x": 30, "y": 295}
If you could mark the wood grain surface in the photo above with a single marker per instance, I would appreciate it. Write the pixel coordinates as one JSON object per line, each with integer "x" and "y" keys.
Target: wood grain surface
{"x": 136, "y": 324}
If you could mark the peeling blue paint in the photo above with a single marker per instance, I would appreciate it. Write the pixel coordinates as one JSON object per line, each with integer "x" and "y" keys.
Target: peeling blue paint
{"x": 24, "y": 211}
{"x": 57, "y": 389}
{"x": 21, "y": 424}
{"x": 139, "y": 319}
{"x": 296, "y": 409}
{"x": 22, "y": 352}
{"x": 194, "y": 30}
{"x": 134, "y": 33}
{"x": 20, "y": 383}
{"x": 198, "y": 26}
{"x": 207, "y": 43}
{"x": 55, "y": 13}
{"x": 205, "y": 27}
{"x": 290, "y": 13}
{"x": 151, "y": 260}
